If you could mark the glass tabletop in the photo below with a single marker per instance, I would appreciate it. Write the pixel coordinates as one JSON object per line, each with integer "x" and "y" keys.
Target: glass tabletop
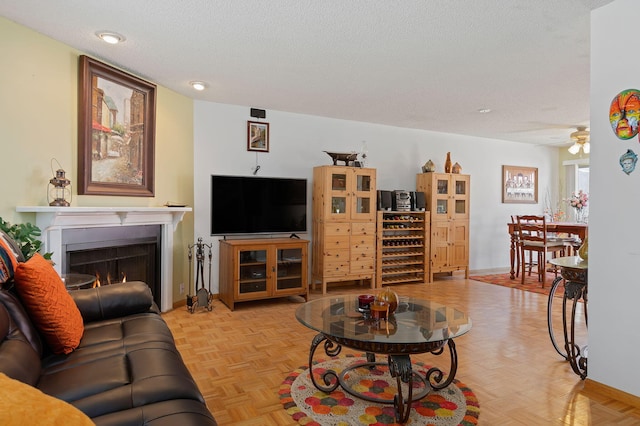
{"x": 76, "y": 281}
{"x": 415, "y": 321}
{"x": 574, "y": 262}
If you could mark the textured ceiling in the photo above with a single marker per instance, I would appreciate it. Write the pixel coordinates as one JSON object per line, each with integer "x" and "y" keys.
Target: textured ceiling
{"x": 424, "y": 64}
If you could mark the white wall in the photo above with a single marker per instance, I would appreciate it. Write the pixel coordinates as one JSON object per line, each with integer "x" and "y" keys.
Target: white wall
{"x": 614, "y": 256}
{"x": 297, "y": 142}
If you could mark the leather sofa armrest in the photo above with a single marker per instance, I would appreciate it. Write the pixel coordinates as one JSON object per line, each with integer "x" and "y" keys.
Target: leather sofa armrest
{"x": 113, "y": 300}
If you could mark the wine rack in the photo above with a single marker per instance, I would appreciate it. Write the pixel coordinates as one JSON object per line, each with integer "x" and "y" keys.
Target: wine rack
{"x": 402, "y": 247}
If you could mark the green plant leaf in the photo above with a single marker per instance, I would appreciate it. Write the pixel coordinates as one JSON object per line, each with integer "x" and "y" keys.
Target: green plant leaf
{"x": 26, "y": 235}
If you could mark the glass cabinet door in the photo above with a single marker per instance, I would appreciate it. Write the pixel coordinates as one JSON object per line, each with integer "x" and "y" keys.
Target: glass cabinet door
{"x": 460, "y": 194}
{"x": 363, "y": 195}
{"x": 289, "y": 268}
{"x": 348, "y": 193}
{"x": 253, "y": 272}
{"x": 441, "y": 197}
{"x": 339, "y": 194}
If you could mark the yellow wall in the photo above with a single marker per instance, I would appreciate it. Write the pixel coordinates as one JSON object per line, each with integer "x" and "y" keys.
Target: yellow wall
{"x": 38, "y": 122}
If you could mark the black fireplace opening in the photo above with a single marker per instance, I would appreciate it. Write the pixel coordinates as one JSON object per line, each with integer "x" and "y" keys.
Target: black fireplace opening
{"x": 115, "y": 254}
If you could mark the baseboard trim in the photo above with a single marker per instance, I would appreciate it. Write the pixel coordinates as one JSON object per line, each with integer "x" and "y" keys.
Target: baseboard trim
{"x": 613, "y": 393}
{"x": 183, "y": 301}
{"x": 489, "y": 271}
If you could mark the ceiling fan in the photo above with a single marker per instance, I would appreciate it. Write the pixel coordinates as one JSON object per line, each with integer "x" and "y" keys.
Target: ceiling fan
{"x": 581, "y": 140}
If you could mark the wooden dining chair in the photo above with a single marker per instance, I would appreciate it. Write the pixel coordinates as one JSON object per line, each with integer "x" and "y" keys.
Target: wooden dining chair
{"x": 520, "y": 260}
{"x": 533, "y": 236}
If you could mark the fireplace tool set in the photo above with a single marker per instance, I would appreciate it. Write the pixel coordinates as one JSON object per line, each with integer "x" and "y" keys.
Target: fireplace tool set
{"x": 201, "y": 296}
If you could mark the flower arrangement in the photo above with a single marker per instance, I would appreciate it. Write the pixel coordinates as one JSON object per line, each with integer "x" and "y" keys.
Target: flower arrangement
{"x": 579, "y": 200}
{"x": 553, "y": 214}
{"x": 556, "y": 215}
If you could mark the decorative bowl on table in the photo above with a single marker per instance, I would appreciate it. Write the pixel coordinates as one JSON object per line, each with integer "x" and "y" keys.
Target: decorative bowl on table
{"x": 342, "y": 156}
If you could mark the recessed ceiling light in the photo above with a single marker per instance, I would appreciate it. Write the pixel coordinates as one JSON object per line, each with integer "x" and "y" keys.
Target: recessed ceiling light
{"x": 111, "y": 37}
{"x": 484, "y": 110}
{"x": 198, "y": 85}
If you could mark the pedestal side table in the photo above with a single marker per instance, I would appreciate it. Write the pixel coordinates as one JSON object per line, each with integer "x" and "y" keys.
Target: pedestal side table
{"x": 574, "y": 271}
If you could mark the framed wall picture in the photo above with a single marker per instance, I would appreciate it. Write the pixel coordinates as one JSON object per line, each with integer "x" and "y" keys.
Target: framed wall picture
{"x": 116, "y": 131}
{"x": 257, "y": 136}
{"x": 519, "y": 185}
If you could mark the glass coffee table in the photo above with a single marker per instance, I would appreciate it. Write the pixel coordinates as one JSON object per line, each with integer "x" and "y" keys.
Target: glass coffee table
{"x": 417, "y": 326}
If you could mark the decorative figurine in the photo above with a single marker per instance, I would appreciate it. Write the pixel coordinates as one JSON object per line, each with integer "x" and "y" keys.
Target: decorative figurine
{"x": 628, "y": 161}
{"x": 457, "y": 168}
{"x": 447, "y": 163}
{"x": 428, "y": 167}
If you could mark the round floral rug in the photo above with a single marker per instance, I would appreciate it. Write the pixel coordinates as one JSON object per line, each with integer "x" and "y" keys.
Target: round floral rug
{"x": 454, "y": 405}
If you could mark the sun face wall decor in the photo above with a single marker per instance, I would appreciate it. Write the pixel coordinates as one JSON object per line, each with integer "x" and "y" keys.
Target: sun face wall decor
{"x": 624, "y": 117}
{"x": 624, "y": 114}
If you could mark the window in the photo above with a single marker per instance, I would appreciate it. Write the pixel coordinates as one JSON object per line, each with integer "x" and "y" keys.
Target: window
{"x": 577, "y": 178}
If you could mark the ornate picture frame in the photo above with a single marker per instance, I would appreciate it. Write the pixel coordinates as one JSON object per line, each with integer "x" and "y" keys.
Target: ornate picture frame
{"x": 519, "y": 185}
{"x": 116, "y": 131}
{"x": 257, "y": 136}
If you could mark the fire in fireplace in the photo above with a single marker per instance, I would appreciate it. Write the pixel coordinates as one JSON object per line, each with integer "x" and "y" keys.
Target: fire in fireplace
{"x": 112, "y": 254}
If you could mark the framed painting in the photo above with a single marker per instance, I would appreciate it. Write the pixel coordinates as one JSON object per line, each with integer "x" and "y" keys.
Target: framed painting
{"x": 519, "y": 185}
{"x": 116, "y": 131}
{"x": 257, "y": 136}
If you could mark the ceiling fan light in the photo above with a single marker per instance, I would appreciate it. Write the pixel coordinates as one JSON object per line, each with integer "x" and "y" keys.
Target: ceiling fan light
{"x": 574, "y": 149}
{"x": 586, "y": 147}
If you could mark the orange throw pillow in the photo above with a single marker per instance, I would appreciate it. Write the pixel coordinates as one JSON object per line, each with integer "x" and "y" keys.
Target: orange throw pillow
{"x": 49, "y": 305}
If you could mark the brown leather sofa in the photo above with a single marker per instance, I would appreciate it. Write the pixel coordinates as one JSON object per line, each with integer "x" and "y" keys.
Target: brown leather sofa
{"x": 126, "y": 371}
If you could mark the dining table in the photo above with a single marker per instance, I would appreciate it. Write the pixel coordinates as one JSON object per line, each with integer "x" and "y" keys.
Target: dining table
{"x": 572, "y": 228}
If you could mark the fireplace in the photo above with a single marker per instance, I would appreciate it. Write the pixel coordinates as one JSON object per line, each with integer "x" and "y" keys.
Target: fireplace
{"x": 115, "y": 254}
{"x": 53, "y": 221}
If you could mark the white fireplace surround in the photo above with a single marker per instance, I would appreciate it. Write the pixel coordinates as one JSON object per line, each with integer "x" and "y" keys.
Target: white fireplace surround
{"x": 53, "y": 220}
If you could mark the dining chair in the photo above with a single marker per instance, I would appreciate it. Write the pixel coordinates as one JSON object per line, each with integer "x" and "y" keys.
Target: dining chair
{"x": 520, "y": 260}
{"x": 534, "y": 238}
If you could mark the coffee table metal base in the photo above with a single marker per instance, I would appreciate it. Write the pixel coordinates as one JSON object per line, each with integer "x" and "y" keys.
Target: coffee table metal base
{"x": 399, "y": 363}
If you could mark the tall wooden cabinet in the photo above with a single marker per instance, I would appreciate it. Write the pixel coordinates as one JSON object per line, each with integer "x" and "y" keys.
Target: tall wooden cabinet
{"x": 263, "y": 268}
{"x": 447, "y": 196}
{"x": 344, "y": 225}
{"x": 402, "y": 247}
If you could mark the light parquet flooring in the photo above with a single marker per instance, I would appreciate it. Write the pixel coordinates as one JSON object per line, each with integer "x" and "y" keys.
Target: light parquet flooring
{"x": 240, "y": 358}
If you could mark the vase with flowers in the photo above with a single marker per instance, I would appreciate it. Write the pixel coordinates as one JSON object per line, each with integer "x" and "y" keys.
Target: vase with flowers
{"x": 579, "y": 201}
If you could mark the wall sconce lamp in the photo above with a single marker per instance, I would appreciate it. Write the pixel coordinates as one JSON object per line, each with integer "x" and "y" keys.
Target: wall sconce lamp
{"x": 58, "y": 190}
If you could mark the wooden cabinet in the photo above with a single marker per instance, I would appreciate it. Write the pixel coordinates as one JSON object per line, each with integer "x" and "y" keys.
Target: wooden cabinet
{"x": 344, "y": 224}
{"x": 263, "y": 268}
{"x": 402, "y": 247}
{"x": 447, "y": 196}
{"x": 344, "y": 194}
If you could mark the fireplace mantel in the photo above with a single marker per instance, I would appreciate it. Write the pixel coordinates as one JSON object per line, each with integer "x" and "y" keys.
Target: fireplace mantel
{"x": 53, "y": 220}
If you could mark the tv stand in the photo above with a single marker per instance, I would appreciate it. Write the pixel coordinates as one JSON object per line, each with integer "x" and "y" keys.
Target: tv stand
{"x": 263, "y": 268}
{"x": 294, "y": 235}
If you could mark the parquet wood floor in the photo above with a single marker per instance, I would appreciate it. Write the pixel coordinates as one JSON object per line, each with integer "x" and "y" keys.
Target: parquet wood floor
{"x": 240, "y": 358}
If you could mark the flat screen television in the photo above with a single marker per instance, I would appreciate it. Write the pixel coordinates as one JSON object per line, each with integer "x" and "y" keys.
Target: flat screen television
{"x": 258, "y": 205}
